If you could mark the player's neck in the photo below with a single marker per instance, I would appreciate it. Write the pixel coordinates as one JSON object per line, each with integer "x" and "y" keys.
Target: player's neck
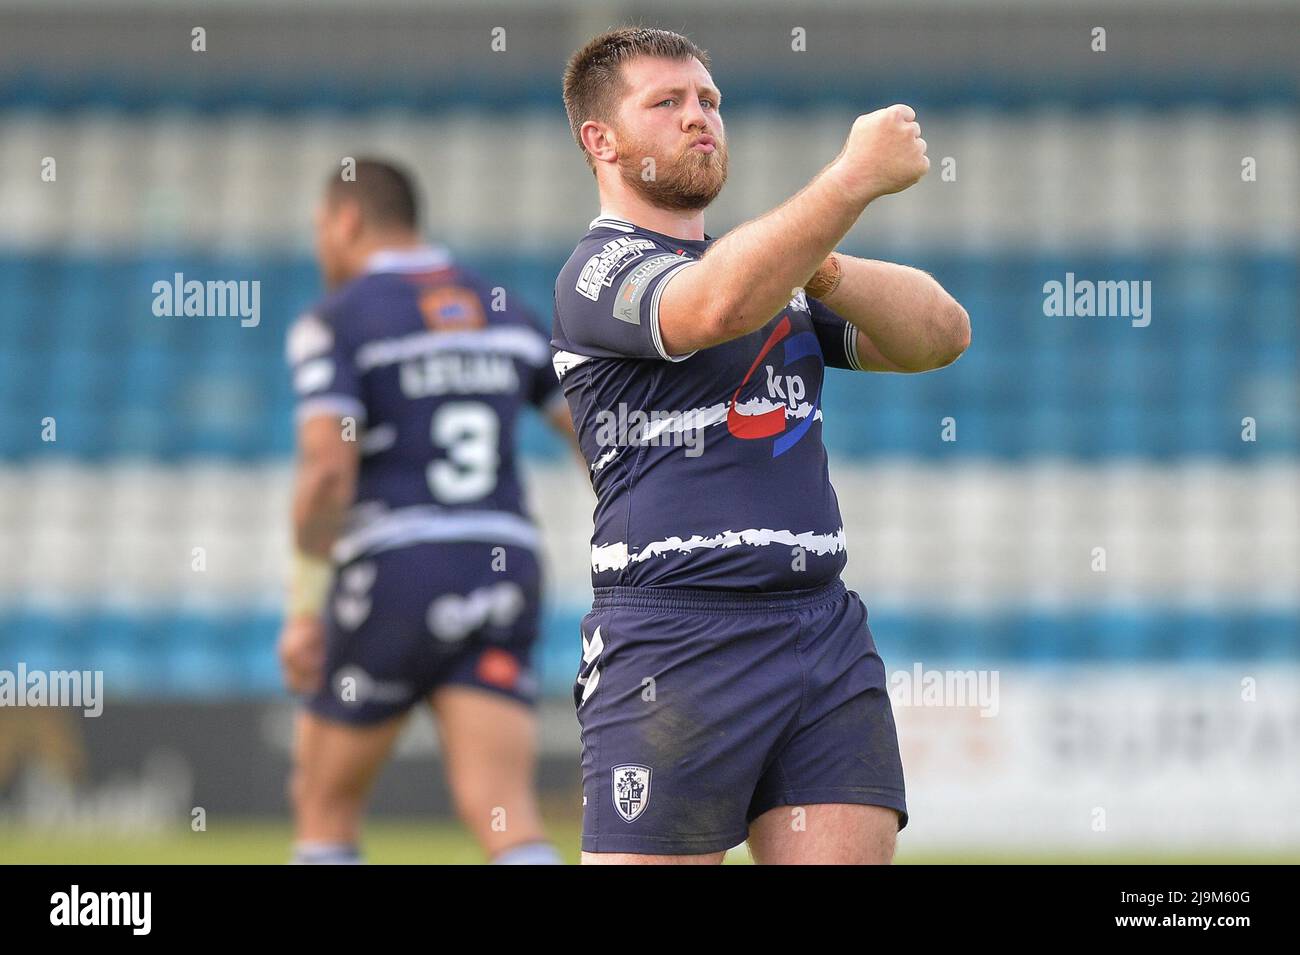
{"x": 678, "y": 223}
{"x": 365, "y": 252}
{"x": 389, "y": 242}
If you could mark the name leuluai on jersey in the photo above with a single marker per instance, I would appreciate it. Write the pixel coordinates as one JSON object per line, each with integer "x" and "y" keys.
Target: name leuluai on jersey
{"x": 435, "y": 381}
{"x": 709, "y": 468}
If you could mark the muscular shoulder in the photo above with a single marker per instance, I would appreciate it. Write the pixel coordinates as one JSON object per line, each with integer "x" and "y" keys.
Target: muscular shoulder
{"x": 607, "y": 293}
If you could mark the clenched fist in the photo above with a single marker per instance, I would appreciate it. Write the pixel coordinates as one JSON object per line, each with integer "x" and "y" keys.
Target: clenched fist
{"x": 884, "y": 154}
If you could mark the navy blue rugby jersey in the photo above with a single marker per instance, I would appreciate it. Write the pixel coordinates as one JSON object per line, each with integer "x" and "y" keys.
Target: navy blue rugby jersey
{"x": 709, "y": 468}
{"x": 435, "y": 378}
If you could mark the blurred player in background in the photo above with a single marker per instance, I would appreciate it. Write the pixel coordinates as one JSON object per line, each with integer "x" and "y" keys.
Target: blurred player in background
{"x": 719, "y": 544}
{"x": 415, "y": 577}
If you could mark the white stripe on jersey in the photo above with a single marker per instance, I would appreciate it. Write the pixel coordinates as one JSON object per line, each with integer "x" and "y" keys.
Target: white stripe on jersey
{"x": 519, "y": 342}
{"x": 566, "y": 361}
{"x": 382, "y": 529}
{"x": 616, "y": 556}
{"x": 851, "y": 346}
{"x": 339, "y": 406}
{"x": 605, "y": 458}
{"x": 697, "y": 419}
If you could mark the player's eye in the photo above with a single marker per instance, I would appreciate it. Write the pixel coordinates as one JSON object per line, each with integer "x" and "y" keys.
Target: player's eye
{"x": 708, "y": 103}
{"x": 661, "y": 102}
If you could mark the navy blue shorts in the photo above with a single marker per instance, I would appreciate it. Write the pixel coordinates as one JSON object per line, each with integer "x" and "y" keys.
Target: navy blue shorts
{"x": 402, "y": 622}
{"x": 700, "y": 712}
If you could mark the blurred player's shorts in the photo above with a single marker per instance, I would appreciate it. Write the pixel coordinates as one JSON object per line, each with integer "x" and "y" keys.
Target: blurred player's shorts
{"x": 403, "y": 622}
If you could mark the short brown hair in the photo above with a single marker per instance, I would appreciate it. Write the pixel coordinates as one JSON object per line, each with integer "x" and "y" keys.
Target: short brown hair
{"x": 593, "y": 81}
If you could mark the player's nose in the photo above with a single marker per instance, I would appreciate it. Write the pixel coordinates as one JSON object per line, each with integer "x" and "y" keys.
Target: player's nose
{"x": 694, "y": 117}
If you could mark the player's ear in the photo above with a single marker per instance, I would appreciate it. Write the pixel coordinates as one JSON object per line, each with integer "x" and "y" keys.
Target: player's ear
{"x": 350, "y": 221}
{"x": 599, "y": 140}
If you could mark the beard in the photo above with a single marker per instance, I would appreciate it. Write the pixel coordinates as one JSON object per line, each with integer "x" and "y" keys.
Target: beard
{"x": 685, "y": 182}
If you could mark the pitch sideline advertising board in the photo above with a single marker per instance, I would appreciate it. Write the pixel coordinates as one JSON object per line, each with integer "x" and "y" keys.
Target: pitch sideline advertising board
{"x": 1071, "y": 758}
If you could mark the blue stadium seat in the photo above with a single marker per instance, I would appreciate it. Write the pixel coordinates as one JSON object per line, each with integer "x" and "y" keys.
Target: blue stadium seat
{"x": 253, "y": 643}
{"x": 44, "y": 641}
{"x": 200, "y": 661}
{"x": 113, "y": 645}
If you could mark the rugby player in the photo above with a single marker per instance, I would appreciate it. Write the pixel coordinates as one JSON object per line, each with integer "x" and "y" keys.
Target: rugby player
{"x": 415, "y": 578}
{"x": 730, "y": 687}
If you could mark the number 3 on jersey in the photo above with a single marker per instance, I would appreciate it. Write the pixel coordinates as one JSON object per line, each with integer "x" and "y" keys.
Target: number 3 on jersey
{"x": 468, "y": 432}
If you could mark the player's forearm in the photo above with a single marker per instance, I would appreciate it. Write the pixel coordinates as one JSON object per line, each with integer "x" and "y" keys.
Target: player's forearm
{"x": 760, "y": 264}
{"x": 749, "y": 274}
{"x": 910, "y": 319}
{"x": 321, "y": 501}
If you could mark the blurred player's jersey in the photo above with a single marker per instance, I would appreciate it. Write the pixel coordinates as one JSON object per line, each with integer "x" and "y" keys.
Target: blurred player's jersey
{"x": 434, "y": 379}
{"x": 709, "y": 468}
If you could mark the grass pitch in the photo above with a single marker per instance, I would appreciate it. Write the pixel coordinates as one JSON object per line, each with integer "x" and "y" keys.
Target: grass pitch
{"x": 262, "y": 842}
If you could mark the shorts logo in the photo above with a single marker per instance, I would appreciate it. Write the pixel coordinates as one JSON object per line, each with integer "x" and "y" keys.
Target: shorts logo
{"x": 352, "y": 597}
{"x": 631, "y": 790}
{"x": 453, "y": 617}
{"x": 498, "y": 668}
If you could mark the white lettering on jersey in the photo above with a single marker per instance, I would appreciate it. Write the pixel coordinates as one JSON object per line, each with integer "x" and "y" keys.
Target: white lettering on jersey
{"x": 790, "y": 389}
{"x": 600, "y": 269}
{"x": 452, "y": 373}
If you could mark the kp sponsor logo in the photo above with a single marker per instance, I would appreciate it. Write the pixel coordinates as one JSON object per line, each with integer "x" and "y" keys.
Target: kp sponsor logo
{"x": 787, "y": 391}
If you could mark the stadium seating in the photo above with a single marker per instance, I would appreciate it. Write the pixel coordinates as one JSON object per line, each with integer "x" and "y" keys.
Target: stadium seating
{"x": 197, "y": 412}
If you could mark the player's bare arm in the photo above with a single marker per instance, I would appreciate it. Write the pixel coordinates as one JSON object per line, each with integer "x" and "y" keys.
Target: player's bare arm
{"x": 750, "y": 273}
{"x": 323, "y": 490}
{"x": 325, "y": 485}
{"x": 906, "y": 321}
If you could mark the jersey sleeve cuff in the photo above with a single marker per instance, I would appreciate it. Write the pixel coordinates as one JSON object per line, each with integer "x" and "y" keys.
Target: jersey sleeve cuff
{"x": 338, "y": 406}
{"x": 655, "y": 335}
{"x": 851, "y": 347}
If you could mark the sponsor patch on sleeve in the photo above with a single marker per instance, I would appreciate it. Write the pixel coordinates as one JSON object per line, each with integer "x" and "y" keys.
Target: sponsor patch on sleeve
{"x": 627, "y": 303}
